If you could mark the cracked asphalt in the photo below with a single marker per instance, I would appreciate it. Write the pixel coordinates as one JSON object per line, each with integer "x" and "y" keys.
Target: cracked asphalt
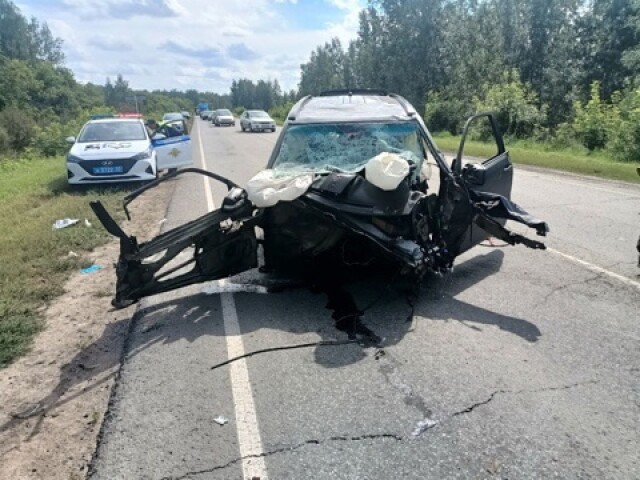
{"x": 520, "y": 364}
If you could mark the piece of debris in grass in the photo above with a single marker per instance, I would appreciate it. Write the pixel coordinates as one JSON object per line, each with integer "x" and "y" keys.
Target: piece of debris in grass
{"x": 91, "y": 269}
{"x": 72, "y": 254}
{"x": 64, "y": 223}
{"x": 220, "y": 420}
{"x": 87, "y": 223}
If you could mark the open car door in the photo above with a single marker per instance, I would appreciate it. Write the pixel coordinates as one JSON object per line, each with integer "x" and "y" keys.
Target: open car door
{"x": 219, "y": 244}
{"x": 476, "y": 200}
{"x": 172, "y": 144}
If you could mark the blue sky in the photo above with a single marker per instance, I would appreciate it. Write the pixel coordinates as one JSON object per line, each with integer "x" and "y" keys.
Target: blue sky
{"x": 201, "y": 44}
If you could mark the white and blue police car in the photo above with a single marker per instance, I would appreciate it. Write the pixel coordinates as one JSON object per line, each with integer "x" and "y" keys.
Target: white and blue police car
{"x": 119, "y": 148}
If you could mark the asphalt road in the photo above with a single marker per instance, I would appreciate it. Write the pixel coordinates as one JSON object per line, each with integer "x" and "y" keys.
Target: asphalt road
{"x": 520, "y": 364}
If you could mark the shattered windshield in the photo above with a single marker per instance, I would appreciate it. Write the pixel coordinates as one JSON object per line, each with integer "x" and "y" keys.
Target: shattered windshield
{"x": 112, "y": 132}
{"x": 345, "y": 147}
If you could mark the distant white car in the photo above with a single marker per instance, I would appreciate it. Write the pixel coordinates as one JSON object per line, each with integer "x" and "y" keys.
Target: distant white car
{"x": 257, "y": 121}
{"x": 119, "y": 150}
{"x": 223, "y": 116}
{"x": 172, "y": 116}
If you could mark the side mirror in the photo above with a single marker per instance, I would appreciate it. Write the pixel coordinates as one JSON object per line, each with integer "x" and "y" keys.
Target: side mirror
{"x": 456, "y": 165}
{"x": 70, "y": 140}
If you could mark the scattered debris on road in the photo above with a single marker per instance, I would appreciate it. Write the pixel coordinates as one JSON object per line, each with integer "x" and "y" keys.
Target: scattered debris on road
{"x": 220, "y": 420}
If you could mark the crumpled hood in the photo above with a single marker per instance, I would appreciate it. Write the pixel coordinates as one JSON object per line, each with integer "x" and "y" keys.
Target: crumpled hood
{"x": 96, "y": 150}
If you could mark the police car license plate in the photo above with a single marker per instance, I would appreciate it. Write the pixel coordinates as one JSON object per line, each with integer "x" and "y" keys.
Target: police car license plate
{"x": 103, "y": 170}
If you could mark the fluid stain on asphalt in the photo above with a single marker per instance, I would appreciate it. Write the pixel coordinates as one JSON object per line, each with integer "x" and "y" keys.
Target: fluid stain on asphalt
{"x": 348, "y": 316}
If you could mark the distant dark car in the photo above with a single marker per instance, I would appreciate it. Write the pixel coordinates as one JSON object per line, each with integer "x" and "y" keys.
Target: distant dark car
{"x": 257, "y": 121}
{"x": 206, "y": 114}
{"x": 223, "y": 116}
{"x": 346, "y": 185}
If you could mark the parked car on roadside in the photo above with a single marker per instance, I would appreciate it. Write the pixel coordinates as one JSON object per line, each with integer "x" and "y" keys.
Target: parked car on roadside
{"x": 257, "y": 121}
{"x": 186, "y": 115}
{"x": 223, "y": 116}
{"x": 172, "y": 116}
{"x": 116, "y": 149}
{"x": 344, "y": 186}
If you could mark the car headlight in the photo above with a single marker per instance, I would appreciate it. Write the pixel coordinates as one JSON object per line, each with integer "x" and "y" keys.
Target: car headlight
{"x": 73, "y": 158}
{"x": 142, "y": 155}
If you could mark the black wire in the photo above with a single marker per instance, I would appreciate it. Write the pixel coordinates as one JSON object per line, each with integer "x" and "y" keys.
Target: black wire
{"x": 323, "y": 343}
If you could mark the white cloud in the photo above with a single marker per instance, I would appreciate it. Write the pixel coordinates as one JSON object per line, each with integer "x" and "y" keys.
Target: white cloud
{"x": 202, "y": 44}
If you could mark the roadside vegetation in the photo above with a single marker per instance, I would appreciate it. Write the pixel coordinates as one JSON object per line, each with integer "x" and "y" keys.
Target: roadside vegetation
{"x": 568, "y": 159}
{"x": 35, "y": 259}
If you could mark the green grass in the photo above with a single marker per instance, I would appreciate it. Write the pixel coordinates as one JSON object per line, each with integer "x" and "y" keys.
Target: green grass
{"x": 573, "y": 160}
{"x": 34, "y": 260}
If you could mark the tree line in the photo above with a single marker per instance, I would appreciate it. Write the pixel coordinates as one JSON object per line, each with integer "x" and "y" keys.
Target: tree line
{"x": 563, "y": 71}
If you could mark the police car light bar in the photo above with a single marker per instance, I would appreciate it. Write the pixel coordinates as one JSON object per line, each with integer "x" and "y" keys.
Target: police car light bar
{"x": 98, "y": 116}
{"x": 129, "y": 115}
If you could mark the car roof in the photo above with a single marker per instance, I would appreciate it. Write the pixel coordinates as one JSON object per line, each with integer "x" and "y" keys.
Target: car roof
{"x": 352, "y": 105}
{"x": 115, "y": 119}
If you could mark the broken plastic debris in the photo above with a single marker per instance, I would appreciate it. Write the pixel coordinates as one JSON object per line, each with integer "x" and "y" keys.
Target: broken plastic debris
{"x": 422, "y": 426}
{"x": 87, "y": 223}
{"x": 64, "y": 223}
{"x": 72, "y": 254}
{"x": 92, "y": 269}
{"x": 220, "y": 420}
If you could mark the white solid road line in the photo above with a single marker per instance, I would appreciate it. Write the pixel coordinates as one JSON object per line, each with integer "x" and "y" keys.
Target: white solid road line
{"x": 207, "y": 186}
{"x": 249, "y": 441}
{"x": 595, "y": 268}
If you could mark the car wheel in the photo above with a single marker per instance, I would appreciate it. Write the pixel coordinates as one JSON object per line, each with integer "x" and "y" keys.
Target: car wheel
{"x": 242, "y": 127}
{"x": 273, "y": 130}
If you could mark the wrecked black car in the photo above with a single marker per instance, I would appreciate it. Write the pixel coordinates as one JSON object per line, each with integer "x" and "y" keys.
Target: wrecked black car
{"x": 356, "y": 178}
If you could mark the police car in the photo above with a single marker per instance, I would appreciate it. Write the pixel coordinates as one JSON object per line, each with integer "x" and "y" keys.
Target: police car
{"x": 119, "y": 149}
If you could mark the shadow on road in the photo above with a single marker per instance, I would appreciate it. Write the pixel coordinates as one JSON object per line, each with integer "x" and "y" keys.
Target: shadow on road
{"x": 392, "y": 308}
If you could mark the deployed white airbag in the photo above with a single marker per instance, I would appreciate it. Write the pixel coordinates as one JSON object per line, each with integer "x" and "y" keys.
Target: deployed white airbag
{"x": 386, "y": 170}
{"x": 266, "y": 188}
